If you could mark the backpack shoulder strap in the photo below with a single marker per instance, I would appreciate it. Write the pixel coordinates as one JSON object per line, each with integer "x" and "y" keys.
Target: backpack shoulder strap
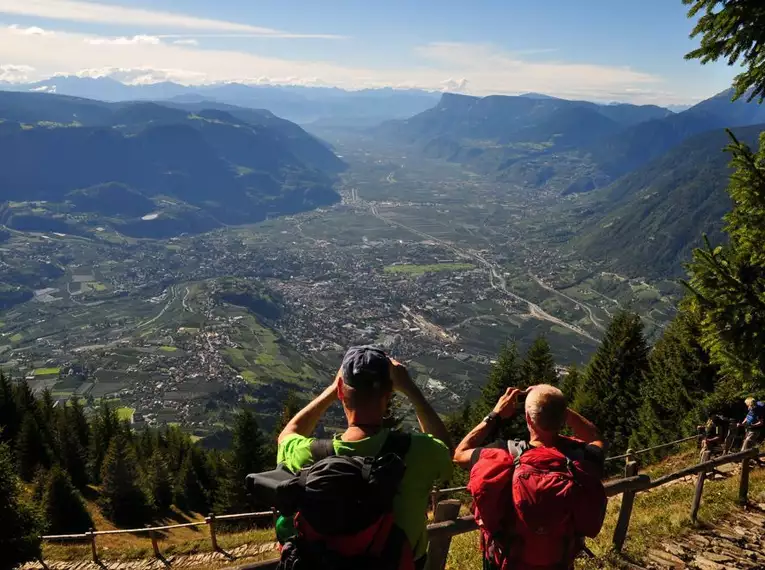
{"x": 397, "y": 443}
{"x": 516, "y": 448}
{"x": 321, "y": 449}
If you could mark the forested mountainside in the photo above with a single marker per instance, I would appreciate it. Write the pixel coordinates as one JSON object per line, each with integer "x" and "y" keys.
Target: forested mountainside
{"x": 186, "y": 169}
{"x": 648, "y": 221}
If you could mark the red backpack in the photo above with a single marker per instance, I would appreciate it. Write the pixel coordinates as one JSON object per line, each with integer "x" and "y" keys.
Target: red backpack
{"x": 534, "y": 506}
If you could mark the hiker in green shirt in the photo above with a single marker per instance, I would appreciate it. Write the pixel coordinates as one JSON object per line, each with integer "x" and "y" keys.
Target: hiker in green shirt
{"x": 364, "y": 385}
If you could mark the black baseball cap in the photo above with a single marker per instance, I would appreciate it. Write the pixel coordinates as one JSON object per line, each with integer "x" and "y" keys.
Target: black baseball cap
{"x": 366, "y": 367}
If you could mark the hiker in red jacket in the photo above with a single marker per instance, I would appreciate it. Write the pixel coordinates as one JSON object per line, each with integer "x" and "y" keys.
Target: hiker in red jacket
{"x": 535, "y": 501}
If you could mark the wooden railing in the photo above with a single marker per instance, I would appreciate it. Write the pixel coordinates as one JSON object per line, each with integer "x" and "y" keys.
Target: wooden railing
{"x": 446, "y": 520}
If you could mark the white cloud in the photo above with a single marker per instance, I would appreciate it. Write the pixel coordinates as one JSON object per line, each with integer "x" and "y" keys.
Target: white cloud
{"x": 15, "y": 73}
{"x": 187, "y": 42}
{"x": 470, "y": 68}
{"x": 143, "y": 75}
{"x": 92, "y": 12}
{"x": 31, "y": 31}
{"x": 492, "y": 70}
{"x": 455, "y": 85}
{"x": 135, "y": 40}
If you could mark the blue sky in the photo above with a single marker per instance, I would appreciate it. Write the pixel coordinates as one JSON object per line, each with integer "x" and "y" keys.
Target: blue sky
{"x": 591, "y": 49}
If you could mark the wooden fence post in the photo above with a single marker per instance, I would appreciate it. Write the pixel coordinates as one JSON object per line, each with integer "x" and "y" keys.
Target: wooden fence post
{"x": 93, "y": 549}
{"x": 434, "y": 496}
{"x": 730, "y": 437}
{"x": 213, "y": 537}
{"x": 154, "y": 543}
{"x": 743, "y": 486}
{"x": 438, "y": 551}
{"x": 702, "y": 476}
{"x": 625, "y": 512}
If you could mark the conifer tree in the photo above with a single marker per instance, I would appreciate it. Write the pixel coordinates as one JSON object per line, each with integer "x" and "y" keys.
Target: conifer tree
{"x": 504, "y": 373}
{"x": 25, "y": 399}
{"x": 190, "y": 495}
{"x": 538, "y": 364}
{"x": 160, "y": 481}
{"x": 77, "y": 422}
{"x": 10, "y": 416}
{"x": 680, "y": 379}
{"x": 71, "y": 454}
{"x": 728, "y": 281}
{"x": 570, "y": 382}
{"x": 62, "y": 505}
{"x": 249, "y": 454}
{"x": 733, "y": 31}
{"x": 20, "y": 523}
{"x": 247, "y": 445}
{"x": 31, "y": 450}
{"x": 123, "y": 500}
{"x": 609, "y": 394}
{"x": 105, "y": 427}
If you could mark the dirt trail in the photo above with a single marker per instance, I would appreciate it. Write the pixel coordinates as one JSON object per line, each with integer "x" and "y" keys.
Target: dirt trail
{"x": 737, "y": 542}
{"x": 203, "y": 561}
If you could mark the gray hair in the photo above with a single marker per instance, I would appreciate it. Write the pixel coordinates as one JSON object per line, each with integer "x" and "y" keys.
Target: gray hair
{"x": 546, "y": 408}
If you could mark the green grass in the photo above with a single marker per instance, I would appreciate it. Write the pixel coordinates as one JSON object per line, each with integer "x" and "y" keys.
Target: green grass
{"x": 18, "y": 337}
{"x": 249, "y": 376}
{"x": 125, "y": 413}
{"x": 47, "y": 371}
{"x": 166, "y": 348}
{"x": 417, "y": 270}
{"x": 96, "y": 286}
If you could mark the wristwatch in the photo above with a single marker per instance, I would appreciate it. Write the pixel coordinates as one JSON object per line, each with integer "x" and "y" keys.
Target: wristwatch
{"x": 491, "y": 418}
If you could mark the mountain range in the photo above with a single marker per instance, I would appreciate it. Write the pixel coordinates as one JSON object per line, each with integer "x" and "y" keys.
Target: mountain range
{"x": 155, "y": 170}
{"x": 304, "y": 105}
{"x": 566, "y": 146}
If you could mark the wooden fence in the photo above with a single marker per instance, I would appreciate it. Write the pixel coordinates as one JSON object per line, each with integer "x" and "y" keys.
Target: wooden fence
{"x": 447, "y": 523}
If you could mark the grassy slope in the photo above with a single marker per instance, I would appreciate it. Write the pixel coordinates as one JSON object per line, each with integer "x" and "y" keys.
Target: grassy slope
{"x": 135, "y": 546}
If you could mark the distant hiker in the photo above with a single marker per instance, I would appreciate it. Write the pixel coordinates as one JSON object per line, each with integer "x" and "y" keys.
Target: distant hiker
{"x": 361, "y": 499}
{"x": 535, "y": 501}
{"x": 714, "y": 431}
{"x": 754, "y": 423}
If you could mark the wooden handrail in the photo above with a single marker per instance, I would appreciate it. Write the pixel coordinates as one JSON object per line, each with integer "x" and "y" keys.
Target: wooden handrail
{"x": 704, "y": 467}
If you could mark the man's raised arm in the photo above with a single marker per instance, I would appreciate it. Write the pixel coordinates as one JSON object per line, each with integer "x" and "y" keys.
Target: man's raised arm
{"x": 584, "y": 429}
{"x": 504, "y": 409}
{"x": 305, "y": 421}
{"x": 429, "y": 420}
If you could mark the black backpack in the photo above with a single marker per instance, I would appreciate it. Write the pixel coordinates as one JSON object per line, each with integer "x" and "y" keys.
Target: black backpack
{"x": 343, "y": 510}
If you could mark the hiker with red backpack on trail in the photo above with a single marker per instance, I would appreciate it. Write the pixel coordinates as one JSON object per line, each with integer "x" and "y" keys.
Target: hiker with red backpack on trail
{"x": 535, "y": 501}
{"x": 360, "y": 500}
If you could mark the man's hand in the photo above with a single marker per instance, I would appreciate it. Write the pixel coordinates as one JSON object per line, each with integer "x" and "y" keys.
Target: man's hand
{"x": 399, "y": 375}
{"x": 505, "y": 407}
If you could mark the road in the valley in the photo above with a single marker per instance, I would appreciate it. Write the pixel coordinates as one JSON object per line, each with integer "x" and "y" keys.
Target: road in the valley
{"x": 496, "y": 279}
{"x": 587, "y": 309}
{"x": 164, "y": 309}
